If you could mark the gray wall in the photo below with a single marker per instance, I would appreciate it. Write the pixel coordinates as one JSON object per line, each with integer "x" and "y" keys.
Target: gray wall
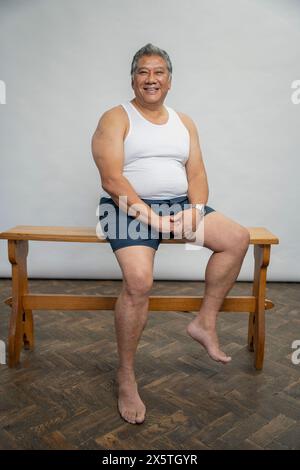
{"x": 64, "y": 62}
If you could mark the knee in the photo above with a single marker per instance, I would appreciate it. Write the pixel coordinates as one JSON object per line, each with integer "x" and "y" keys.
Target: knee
{"x": 240, "y": 240}
{"x": 138, "y": 283}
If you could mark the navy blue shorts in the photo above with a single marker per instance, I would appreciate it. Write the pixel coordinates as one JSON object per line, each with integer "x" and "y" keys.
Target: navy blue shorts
{"x": 121, "y": 229}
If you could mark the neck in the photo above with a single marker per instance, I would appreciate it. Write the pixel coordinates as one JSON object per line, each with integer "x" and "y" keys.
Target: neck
{"x": 151, "y": 108}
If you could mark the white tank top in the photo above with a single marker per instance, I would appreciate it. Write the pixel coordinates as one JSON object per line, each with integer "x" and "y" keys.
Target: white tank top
{"x": 155, "y": 155}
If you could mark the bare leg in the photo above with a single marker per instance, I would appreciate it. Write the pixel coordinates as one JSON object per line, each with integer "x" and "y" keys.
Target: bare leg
{"x": 230, "y": 242}
{"x": 131, "y": 313}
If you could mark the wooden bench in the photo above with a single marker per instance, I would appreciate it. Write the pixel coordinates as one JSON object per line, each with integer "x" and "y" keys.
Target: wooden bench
{"x": 22, "y": 303}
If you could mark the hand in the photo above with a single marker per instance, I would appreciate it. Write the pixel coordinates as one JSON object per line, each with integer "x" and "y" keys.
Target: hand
{"x": 186, "y": 223}
{"x": 165, "y": 225}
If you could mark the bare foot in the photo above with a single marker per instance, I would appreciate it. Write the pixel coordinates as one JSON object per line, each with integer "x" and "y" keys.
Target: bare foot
{"x": 207, "y": 337}
{"x": 130, "y": 405}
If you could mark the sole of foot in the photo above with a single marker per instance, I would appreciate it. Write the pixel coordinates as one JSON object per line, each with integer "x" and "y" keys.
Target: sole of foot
{"x": 209, "y": 340}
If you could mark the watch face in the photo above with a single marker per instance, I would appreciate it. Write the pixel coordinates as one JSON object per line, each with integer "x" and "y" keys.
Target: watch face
{"x": 200, "y": 207}
{"x": 202, "y": 211}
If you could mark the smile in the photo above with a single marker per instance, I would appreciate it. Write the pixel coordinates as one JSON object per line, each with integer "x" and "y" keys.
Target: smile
{"x": 151, "y": 90}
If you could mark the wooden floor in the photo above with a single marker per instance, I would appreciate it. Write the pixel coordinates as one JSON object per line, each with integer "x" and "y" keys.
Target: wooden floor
{"x": 63, "y": 396}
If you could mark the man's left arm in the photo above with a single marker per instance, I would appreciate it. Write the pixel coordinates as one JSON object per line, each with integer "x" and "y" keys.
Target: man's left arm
{"x": 195, "y": 170}
{"x": 197, "y": 184}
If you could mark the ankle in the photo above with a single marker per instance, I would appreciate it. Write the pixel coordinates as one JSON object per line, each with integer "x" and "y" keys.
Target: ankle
{"x": 206, "y": 321}
{"x": 126, "y": 372}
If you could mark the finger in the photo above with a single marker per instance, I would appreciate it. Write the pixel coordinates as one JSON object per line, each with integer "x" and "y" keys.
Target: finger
{"x": 178, "y": 231}
{"x": 177, "y": 216}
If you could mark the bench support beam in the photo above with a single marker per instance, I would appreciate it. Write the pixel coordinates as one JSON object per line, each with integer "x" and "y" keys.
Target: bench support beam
{"x": 156, "y": 303}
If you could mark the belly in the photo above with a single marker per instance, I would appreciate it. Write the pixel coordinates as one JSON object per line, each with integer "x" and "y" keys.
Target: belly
{"x": 157, "y": 181}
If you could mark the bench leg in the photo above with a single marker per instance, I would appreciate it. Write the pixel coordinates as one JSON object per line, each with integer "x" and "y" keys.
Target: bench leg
{"x": 21, "y": 321}
{"x": 251, "y": 332}
{"x": 256, "y": 327}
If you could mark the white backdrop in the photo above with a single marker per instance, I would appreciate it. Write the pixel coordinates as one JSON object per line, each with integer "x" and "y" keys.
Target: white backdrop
{"x": 64, "y": 62}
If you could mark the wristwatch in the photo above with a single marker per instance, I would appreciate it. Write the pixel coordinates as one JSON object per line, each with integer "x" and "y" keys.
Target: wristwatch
{"x": 200, "y": 207}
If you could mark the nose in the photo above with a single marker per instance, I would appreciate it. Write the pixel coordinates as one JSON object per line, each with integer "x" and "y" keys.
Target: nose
{"x": 151, "y": 78}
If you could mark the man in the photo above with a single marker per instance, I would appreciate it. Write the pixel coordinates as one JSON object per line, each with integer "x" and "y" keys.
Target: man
{"x": 149, "y": 153}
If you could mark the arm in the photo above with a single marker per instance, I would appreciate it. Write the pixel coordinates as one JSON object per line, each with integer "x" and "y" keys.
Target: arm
{"x": 195, "y": 170}
{"x": 197, "y": 182}
{"x": 108, "y": 154}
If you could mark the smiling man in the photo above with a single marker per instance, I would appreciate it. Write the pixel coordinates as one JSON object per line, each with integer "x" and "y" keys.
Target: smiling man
{"x": 152, "y": 172}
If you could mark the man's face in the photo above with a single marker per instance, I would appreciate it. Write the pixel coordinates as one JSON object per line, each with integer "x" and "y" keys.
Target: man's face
{"x": 151, "y": 80}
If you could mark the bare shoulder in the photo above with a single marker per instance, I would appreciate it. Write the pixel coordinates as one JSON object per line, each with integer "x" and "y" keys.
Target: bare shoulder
{"x": 114, "y": 118}
{"x": 188, "y": 122}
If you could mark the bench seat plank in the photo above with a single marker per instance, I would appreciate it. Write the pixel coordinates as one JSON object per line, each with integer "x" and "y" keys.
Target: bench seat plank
{"x": 258, "y": 235}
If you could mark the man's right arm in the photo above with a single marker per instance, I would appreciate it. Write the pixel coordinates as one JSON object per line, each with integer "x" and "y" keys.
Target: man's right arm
{"x": 108, "y": 153}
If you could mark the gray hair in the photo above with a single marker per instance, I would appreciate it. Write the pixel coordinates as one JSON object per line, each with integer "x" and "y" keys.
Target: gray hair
{"x": 149, "y": 49}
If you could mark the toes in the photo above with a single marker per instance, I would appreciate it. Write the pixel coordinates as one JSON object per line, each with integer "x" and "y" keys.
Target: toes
{"x": 126, "y": 415}
{"x": 140, "y": 417}
{"x": 225, "y": 359}
{"x": 132, "y": 417}
{"x": 219, "y": 356}
{"x": 129, "y": 417}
